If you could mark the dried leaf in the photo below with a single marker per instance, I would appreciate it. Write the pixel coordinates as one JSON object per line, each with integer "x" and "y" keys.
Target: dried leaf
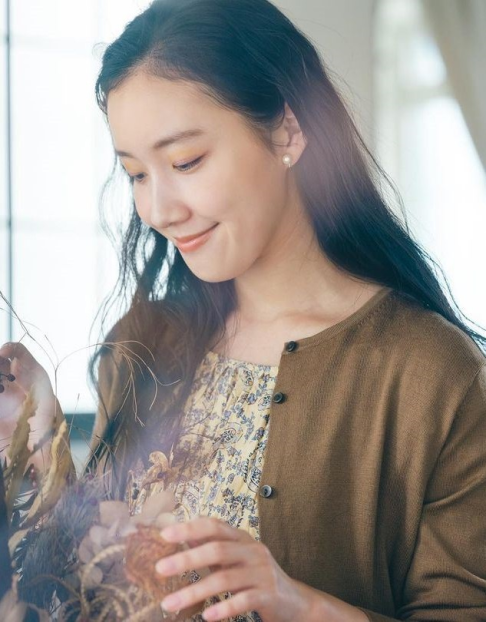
{"x": 19, "y": 453}
{"x": 159, "y": 470}
{"x": 55, "y": 480}
{"x": 15, "y": 540}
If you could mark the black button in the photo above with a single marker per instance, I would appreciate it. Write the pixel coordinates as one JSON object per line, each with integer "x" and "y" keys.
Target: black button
{"x": 266, "y": 491}
{"x": 291, "y": 346}
{"x": 279, "y": 397}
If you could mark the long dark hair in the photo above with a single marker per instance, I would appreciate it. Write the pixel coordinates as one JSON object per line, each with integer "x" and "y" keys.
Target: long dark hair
{"x": 249, "y": 57}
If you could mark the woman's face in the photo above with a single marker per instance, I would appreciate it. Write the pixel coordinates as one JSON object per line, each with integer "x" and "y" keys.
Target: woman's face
{"x": 221, "y": 175}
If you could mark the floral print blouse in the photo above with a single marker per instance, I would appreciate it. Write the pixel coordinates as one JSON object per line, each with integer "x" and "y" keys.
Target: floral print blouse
{"x": 219, "y": 457}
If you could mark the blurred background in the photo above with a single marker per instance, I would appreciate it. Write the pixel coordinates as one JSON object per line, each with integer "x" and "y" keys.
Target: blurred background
{"x": 411, "y": 71}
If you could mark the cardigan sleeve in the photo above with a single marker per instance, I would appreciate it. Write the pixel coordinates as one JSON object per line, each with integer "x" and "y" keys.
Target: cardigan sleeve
{"x": 446, "y": 579}
{"x": 113, "y": 378}
{"x": 124, "y": 357}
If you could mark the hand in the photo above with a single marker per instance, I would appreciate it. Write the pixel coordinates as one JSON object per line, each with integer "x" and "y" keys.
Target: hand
{"x": 239, "y": 564}
{"x": 29, "y": 375}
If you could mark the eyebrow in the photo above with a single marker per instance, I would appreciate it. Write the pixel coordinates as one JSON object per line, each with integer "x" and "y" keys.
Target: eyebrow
{"x": 168, "y": 140}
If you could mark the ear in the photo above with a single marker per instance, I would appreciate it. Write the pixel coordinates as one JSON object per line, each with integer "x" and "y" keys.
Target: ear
{"x": 289, "y": 138}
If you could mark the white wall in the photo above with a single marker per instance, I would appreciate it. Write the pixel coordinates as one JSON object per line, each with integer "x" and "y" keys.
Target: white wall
{"x": 342, "y": 32}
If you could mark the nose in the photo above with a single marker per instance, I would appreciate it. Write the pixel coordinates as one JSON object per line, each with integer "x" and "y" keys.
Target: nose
{"x": 165, "y": 206}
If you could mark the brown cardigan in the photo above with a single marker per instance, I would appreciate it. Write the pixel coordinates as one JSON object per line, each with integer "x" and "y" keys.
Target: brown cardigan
{"x": 374, "y": 480}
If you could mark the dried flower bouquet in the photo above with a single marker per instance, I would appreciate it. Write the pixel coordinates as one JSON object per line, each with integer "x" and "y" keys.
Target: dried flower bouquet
{"x": 75, "y": 555}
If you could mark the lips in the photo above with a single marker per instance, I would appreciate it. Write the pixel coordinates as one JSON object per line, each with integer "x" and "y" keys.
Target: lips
{"x": 189, "y": 238}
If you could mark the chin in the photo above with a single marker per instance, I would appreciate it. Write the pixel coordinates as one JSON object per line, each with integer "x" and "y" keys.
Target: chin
{"x": 212, "y": 278}
{"x": 212, "y": 274}
{"x": 217, "y": 270}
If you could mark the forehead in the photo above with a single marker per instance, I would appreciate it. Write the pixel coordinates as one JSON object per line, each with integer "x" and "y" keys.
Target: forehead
{"x": 144, "y": 104}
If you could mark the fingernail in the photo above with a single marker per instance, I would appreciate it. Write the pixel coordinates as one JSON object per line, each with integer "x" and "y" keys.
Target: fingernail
{"x": 164, "y": 565}
{"x": 168, "y": 532}
{"x": 171, "y": 602}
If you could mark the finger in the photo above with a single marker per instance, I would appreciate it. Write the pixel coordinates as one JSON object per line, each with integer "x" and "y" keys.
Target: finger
{"x": 8, "y": 349}
{"x": 239, "y": 604}
{"x": 6, "y": 375}
{"x": 16, "y": 350}
{"x": 194, "y": 543}
{"x": 4, "y": 361}
{"x": 4, "y": 365}
{"x": 213, "y": 553}
{"x": 203, "y": 528}
{"x": 8, "y": 386}
{"x": 232, "y": 579}
{"x": 26, "y": 369}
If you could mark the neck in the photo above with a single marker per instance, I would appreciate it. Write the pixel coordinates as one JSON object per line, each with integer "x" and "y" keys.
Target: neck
{"x": 294, "y": 278}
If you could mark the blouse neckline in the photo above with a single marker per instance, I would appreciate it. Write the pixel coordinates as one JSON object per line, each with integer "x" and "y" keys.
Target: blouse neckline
{"x": 217, "y": 357}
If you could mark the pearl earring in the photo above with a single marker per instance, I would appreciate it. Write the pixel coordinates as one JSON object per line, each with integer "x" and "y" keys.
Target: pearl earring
{"x": 287, "y": 160}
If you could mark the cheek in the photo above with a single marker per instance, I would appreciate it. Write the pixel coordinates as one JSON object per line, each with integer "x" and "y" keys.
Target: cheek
{"x": 250, "y": 209}
{"x": 250, "y": 229}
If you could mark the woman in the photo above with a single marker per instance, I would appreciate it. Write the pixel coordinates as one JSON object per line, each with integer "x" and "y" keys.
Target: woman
{"x": 322, "y": 403}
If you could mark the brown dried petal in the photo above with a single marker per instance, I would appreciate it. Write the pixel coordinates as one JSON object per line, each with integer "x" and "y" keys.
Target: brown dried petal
{"x": 115, "y": 529}
{"x": 98, "y": 535}
{"x": 143, "y": 549}
{"x": 128, "y": 529}
{"x": 85, "y": 550}
{"x": 94, "y": 577}
{"x": 161, "y": 502}
{"x": 110, "y": 511}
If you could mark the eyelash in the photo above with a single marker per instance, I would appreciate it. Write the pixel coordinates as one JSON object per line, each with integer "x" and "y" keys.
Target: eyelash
{"x": 190, "y": 165}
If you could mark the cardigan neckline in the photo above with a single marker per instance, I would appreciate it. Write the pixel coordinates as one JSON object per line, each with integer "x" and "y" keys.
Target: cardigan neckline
{"x": 360, "y": 314}
{"x": 323, "y": 335}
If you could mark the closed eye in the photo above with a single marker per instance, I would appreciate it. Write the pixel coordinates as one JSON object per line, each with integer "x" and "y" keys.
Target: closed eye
{"x": 135, "y": 178}
{"x": 188, "y": 165}
{"x": 181, "y": 167}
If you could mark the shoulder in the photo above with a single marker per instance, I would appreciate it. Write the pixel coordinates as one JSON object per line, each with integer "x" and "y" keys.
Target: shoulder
{"x": 142, "y": 325}
{"x": 428, "y": 369}
{"x": 134, "y": 343}
{"x": 133, "y": 356}
{"x": 424, "y": 340}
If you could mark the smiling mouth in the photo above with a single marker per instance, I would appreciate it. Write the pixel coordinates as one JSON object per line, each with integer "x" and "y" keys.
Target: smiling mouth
{"x": 196, "y": 241}
{"x": 189, "y": 238}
